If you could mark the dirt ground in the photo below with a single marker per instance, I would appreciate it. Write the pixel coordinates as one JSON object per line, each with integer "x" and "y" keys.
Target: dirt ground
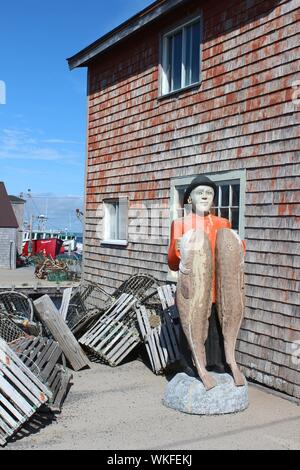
{"x": 120, "y": 408}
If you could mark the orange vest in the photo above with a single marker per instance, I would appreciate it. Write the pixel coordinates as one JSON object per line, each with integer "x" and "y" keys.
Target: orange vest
{"x": 209, "y": 223}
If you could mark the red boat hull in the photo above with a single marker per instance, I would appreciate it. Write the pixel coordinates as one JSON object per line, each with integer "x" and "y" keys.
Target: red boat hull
{"x": 49, "y": 247}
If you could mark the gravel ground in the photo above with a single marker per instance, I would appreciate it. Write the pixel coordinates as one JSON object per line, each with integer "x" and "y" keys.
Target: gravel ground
{"x": 120, "y": 408}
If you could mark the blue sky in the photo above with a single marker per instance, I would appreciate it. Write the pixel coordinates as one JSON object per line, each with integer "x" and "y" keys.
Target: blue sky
{"x": 43, "y": 123}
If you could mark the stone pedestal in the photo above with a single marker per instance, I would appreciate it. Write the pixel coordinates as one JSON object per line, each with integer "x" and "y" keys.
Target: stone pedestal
{"x": 188, "y": 395}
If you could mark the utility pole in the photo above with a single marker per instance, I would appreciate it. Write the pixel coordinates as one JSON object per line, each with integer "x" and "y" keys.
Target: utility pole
{"x": 30, "y": 234}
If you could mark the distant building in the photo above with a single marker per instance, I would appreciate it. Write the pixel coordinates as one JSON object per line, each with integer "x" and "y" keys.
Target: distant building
{"x": 186, "y": 88}
{"x": 18, "y": 205}
{"x": 8, "y": 231}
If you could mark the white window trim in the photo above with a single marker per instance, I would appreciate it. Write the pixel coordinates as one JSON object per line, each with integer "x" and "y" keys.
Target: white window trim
{"x": 107, "y": 240}
{"x": 163, "y": 56}
{"x": 228, "y": 177}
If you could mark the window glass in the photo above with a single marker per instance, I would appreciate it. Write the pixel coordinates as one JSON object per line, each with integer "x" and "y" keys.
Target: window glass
{"x": 235, "y": 218}
{"x": 188, "y": 56}
{"x": 169, "y": 59}
{"x": 225, "y": 196}
{"x": 235, "y": 194}
{"x": 177, "y": 61}
{"x": 225, "y": 213}
{"x": 181, "y": 57}
{"x": 195, "y": 52}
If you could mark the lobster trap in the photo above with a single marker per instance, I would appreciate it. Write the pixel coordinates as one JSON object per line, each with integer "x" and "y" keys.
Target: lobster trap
{"x": 9, "y": 331}
{"x": 45, "y": 359}
{"x": 21, "y": 393}
{"x": 19, "y": 309}
{"x": 81, "y": 315}
{"x": 115, "y": 334}
{"x": 16, "y": 305}
{"x": 160, "y": 330}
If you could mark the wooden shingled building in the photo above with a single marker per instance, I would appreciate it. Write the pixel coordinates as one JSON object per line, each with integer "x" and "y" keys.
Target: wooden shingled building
{"x": 188, "y": 88}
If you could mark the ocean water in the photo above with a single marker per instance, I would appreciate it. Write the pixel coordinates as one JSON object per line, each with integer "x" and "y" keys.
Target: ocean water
{"x": 79, "y": 237}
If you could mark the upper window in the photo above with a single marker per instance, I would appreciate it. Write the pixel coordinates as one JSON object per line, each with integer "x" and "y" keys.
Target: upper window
{"x": 181, "y": 57}
{"x": 115, "y": 221}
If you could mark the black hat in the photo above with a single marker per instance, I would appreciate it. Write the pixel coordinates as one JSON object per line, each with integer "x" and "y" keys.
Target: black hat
{"x": 198, "y": 181}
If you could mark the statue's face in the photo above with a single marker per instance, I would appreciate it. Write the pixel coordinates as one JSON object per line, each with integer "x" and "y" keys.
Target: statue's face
{"x": 201, "y": 199}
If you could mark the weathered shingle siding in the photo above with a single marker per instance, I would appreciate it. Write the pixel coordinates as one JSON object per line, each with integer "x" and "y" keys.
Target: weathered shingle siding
{"x": 8, "y": 241}
{"x": 18, "y": 209}
{"x": 241, "y": 117}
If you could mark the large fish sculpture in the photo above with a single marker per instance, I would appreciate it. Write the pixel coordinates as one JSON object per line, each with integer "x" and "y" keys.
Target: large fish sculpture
{"x": 230, "y": 294}
{"x": 194, "y": 299}
{"x": 193, "y": 296}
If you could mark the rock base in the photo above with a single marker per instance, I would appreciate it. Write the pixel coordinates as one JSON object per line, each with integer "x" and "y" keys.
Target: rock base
{"x": 188, "y": 395}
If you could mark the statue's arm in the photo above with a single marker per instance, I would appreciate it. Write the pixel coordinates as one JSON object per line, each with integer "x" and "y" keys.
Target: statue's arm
{"x": 173, "y": 253}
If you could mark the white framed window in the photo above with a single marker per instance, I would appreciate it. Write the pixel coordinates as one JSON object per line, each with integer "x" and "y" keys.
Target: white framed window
{"x": 115, "y": 221}
{"x": 181, "y": 56}
{"x": 229, "y": 201}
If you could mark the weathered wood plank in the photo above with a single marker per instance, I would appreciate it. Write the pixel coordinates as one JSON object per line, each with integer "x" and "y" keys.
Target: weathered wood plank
{"x": 62, "y": 334}
{"x": 65, "y": 303}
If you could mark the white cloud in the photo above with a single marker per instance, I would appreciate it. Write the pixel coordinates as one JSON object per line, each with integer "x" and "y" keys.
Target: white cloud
{"x": 20, "y": 144}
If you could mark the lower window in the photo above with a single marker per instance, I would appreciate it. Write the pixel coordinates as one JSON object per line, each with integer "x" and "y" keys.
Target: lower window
{"x": 115, "y": 221}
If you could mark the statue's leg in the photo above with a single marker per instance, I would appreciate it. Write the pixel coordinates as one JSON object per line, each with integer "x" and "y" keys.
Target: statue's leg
{"x": 186, "y": 361}
{"x": 214, "y": 346}
{"x": 193, "y": 298}
{"x": 230, "y": 294}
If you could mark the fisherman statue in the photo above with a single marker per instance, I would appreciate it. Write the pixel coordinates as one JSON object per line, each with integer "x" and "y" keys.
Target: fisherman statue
{"x": 209, "y": 256}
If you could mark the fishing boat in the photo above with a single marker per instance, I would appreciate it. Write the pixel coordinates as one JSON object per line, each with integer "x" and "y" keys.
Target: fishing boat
{"x": 69, "y": 241}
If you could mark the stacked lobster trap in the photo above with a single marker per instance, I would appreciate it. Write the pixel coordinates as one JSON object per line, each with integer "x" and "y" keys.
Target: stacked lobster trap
{"x": 139, "y": 313}
{"x": 160, "y": 329}
{"x": 40, "y": 343}
{"x": 33, "y": 370}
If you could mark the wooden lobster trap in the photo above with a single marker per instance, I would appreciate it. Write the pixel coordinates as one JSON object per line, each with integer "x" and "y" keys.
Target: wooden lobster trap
{"x": 115, "y": 334}
{"x": 45, "y": 359}
{"x": 81, "y": 313}
{"x": 160, "y": 330}
{"x": 21, "y": 393}
{"x": 9, "y": 331}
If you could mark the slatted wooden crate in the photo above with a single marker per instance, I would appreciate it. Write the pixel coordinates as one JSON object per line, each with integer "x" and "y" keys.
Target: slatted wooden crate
{"x": 21, "y": 393}
{"x": 160, "y": 329}
{"x": 115, "y": 334}
{"x": 46, "y": 360}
